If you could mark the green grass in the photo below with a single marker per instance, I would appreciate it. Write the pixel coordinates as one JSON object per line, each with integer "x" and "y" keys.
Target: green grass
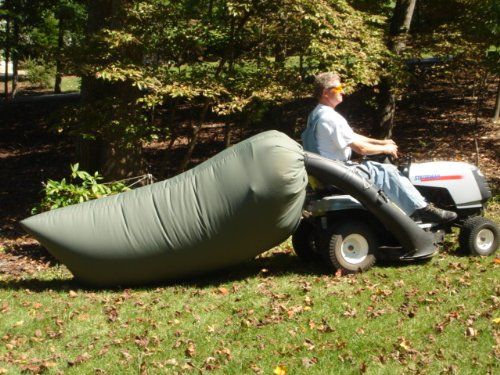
{"x": 70, "y": 83}
{"x": 275, "y": 310}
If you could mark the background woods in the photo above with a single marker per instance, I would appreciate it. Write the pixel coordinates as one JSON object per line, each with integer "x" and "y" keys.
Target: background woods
{"x": 147, "y": 65}
{"x": 159, "y": 86}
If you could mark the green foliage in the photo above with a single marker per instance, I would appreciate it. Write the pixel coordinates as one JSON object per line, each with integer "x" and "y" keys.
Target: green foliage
{"x": 467, "y": 30}
{"x": 82, "y": 187}
{"x": 228, "y": 55}
{"x": 39, "y": 73}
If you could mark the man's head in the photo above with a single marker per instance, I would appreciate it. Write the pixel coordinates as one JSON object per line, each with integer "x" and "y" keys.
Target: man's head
{"x": 327, "y": 89}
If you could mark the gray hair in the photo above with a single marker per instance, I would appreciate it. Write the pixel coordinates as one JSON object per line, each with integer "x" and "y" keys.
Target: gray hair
{"x": 323, "y": 81}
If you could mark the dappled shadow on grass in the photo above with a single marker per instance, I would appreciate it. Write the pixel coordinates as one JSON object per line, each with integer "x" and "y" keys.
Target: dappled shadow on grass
{"x": 272, "y": 266}
{"x": 39, "y": 285}
{"x": 275, "y": 265}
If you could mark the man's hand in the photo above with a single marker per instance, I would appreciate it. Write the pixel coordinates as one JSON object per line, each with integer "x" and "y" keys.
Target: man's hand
{"x": 391, "y": 149}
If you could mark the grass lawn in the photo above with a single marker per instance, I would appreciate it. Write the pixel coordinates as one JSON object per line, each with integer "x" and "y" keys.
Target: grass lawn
{"x": 70, "y": 83}
{"x": 274, "y": 314}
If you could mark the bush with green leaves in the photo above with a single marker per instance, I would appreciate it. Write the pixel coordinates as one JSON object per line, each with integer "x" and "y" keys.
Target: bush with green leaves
{"x": 40, "y": 73}
{"x": 81, "y": 187}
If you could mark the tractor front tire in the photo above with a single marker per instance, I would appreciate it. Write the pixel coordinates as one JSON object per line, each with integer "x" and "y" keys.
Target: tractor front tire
{"x": 478, "y": 236}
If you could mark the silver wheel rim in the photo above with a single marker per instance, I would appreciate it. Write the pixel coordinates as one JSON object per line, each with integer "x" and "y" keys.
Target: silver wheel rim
{"x": 484, "y": 239}
{"x": 354, "y": 248}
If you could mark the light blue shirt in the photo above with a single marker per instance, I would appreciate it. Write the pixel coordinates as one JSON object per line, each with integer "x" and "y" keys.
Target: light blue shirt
{"x": 328, "y": 134}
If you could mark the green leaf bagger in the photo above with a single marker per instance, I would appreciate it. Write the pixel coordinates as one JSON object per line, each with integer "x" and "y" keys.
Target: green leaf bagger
{"x": 241, "y": 202}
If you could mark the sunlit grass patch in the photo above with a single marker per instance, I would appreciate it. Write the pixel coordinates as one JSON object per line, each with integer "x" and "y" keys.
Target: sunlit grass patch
{"x": 274, "y": 312}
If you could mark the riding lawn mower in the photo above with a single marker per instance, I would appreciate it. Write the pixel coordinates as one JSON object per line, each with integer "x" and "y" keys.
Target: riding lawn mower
{"x": 351, "y": 231}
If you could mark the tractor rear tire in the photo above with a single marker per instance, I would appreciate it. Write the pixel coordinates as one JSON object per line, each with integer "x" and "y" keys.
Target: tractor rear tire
{"x": 351, "y": 247}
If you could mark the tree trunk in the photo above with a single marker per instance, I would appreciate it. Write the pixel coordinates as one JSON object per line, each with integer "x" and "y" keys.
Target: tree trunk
{"x": 227, "y": 134}
{"x": 7, "y": 53}
{"x": 110, "y": 154}
{"x": 387, "y": 108}
{"x": 400, "y": 24}
{"x": 89, "y": 154}
{"x": 398, "y": 32}
{"x": 497, "y": 105}
{"x": 15, "y": 59}
{"x": 194, "y": 137}
{"x": 60, "y": 46}
{"x": 122, "y": 160}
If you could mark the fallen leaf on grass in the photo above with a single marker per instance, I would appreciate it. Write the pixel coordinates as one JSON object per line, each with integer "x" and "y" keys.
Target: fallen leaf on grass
{"x": 363, "y": 368}
{"x": 308, "y": 362}
{"x": 496, "y": 321}
{"x": 190, "y": 350}
{"x": 171, "y": 362}
{"x": 405, "y": 344}
{"x": 112, "y": 313}
{"x": 256, "y": 369}
{"x": 496, "y": 260}
{"x": 79, "y": 359}
{"x": 210, "y": 364}
{"x": 280, "y": 370}
{"x": 470, "y": 332}
{"x": 226, "y": 353}
{"x": 223, "y": 291}
{"x": 188, "y": 366}
{"x": 73, "y": 294}
{"x": 126, "y": 355}
{"x": 309, "y": 344}
{"x": 350, "y": 312}
{"x": 5, "y": 308}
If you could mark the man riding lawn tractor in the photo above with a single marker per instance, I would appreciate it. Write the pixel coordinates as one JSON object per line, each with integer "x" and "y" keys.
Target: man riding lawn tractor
{"x": 346, "y": 233}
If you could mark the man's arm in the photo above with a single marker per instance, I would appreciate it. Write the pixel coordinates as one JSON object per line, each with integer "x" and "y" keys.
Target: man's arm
{"x": 375, "y": 141}
{"x": 369, "y": 146}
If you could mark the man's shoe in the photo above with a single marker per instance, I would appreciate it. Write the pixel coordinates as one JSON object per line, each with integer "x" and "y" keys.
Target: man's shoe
{"x": 433, "y": 214}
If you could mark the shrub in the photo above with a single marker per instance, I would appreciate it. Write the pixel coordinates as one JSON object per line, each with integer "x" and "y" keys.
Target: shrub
{"x": 82, "y": 187}
{"x": 40, "y": 73}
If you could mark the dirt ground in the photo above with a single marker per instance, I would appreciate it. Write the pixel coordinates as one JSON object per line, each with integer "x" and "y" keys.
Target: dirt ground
{"x": 437, "y": 122}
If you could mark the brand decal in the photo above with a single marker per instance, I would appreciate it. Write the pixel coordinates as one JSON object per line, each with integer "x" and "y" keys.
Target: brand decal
{"x": 438, "y": 177}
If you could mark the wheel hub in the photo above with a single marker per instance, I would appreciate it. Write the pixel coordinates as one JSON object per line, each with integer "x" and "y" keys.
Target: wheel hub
{"x": 485, "y": 239}
{"x": 354, "y": 248}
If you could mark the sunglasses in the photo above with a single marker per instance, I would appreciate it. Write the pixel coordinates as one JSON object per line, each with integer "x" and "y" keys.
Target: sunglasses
{"x": 337, "y": 89}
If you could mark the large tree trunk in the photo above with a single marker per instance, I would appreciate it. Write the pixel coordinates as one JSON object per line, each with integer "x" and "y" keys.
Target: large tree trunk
{"x": 110, "y": 153}
{"x": 398, "y": 32}
{"x": 123, "y": 160}
{"x": 387, "y": 108}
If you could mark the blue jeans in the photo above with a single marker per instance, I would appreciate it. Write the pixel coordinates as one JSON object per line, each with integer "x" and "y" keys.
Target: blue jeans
{"x": 396, "y": 186}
